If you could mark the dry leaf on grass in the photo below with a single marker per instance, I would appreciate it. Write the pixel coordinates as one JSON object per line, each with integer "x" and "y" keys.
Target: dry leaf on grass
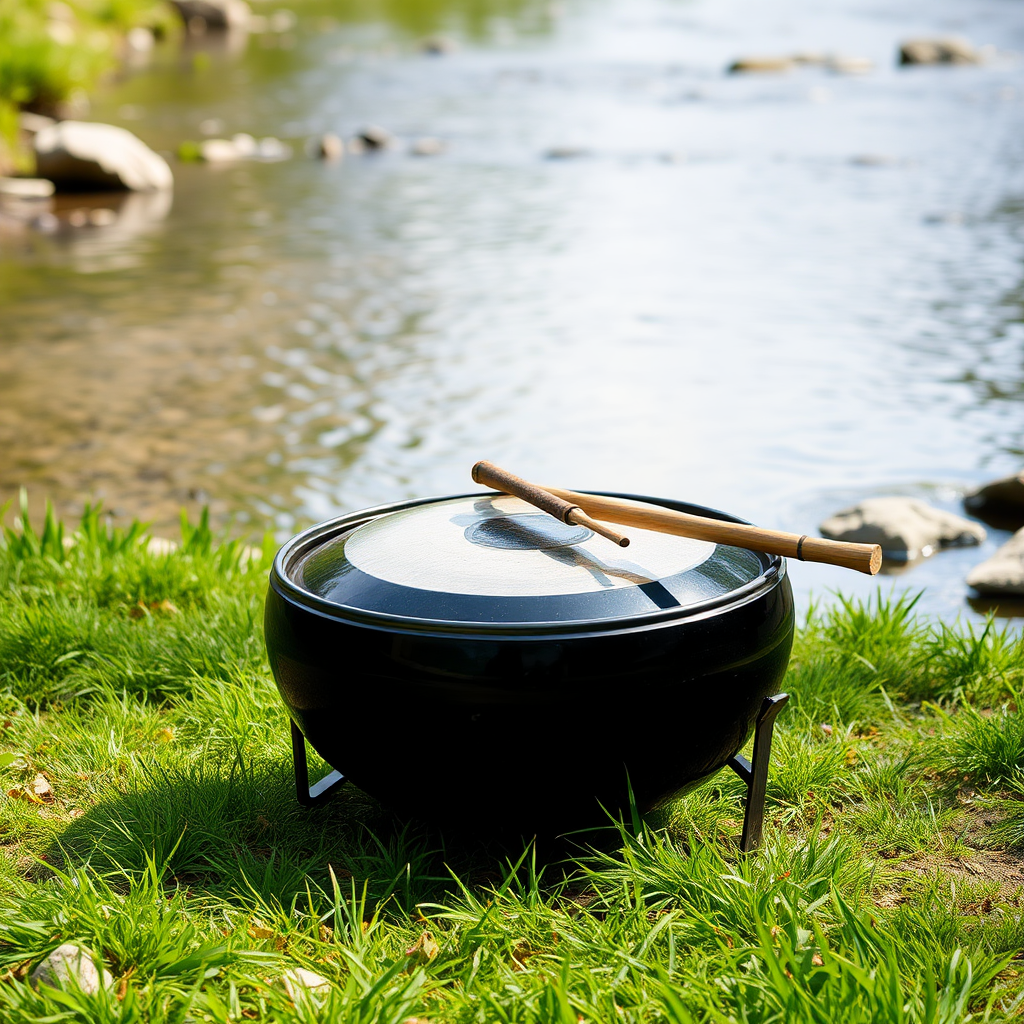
{"x": 520, "y": 954}
{"x": 423, "y": 950}
{"x": 141, "y": 609}
{"x": 38, "y": 792}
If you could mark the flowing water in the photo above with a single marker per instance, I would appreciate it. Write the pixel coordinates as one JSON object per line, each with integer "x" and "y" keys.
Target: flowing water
{"x": 773, "y": 294}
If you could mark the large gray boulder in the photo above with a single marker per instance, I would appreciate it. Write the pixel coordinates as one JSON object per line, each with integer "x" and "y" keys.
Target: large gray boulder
{"x": 946, "y": 50}
{"x": 70, "y": 965}
{"x": 84, "y": 155}
{"x": 215, "y": 13}
{"x": 1003, "y": 573}
{"x": 904, "y": 527}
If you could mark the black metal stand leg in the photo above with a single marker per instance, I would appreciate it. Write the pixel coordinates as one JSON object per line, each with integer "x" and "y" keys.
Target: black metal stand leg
{"x": 311, "y": 796}
{"x": 756, "y": 775}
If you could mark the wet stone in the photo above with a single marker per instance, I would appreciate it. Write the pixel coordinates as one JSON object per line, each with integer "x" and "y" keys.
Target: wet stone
{"x": 437, "y": 46}
{"x": 326, "y": 147}
{"x": 1003, "y": 573}
{"x": 904, "y": 527}
{"x": 763, "y": 65}
{"x": 26, "y": 188}
{"x": 220, "y": 14}
{"x": 1002, "y": 498}
{"x": 77, "y": 154}
{"x": 427, "y": 146}
{"x": 374, "y": 137}
{"x": 945, "y": 50}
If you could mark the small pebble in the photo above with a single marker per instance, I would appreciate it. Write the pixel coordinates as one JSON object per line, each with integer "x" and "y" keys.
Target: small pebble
{"x": 427, "y": 146}
{"x": 26, "y": 188}
{"x": 70, "y": 963}
{"x": 375, "y": 137}
{"x": 140, "y": 39}
{"x": 438, "y": 46}
{"x": 762, "y": 65}
{"x": 566, "y": 153}
{"x": 245, "y": 145}
{"x": 299, "y": 979}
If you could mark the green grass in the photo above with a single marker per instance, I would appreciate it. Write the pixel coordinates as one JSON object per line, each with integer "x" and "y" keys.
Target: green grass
{"x": 134, "y": 682}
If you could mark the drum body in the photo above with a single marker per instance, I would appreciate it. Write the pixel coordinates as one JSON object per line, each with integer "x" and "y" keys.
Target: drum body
{"x": 485, "y": 700}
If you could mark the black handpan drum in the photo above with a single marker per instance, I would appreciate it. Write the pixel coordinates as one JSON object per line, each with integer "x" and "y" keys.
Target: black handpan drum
{"x": 471, "y": 661}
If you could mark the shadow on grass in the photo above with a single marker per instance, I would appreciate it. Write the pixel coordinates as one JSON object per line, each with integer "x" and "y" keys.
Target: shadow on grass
{"x": 237, "y": 832}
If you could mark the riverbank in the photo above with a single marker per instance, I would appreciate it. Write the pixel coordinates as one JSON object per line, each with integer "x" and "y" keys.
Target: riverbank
{"x": 52, "y": 55}
{"x": 150, "y": 818}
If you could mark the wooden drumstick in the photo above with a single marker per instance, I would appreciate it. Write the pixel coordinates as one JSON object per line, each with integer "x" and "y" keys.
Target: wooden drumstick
{"x": 866, "y": 558}
{"x": 489, "y": 475}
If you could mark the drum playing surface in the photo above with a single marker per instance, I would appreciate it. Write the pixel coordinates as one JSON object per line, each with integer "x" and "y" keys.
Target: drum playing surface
{"x": 495, "y": 558}
{"x": 504, "y": 547}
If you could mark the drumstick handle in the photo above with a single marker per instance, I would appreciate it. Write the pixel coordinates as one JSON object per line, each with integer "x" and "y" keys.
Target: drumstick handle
{"x": 490, "y": 475}
{"x": 866, "y": 558}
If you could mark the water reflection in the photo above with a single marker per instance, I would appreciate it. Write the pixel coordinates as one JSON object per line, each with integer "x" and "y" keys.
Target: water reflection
{"x": 625, "y": 270}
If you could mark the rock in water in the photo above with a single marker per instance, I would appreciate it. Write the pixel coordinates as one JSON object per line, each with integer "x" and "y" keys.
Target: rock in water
{"x": 26, "y": 188}
{"x": 1003, "y": 573}
{"x": 70, "y": 963}
{"x": 215, "y": 13}
{"x": 326, "y": 147}
{"x": 904, "y": 527}
{"x": 375, "y": 137}
{"x": 427, "y": 146}
{"x": 86, "y": 155}
{"x": 761, "y": 65}
{"x": 1005, "y": 497}
{"x": 32, "y": 123}
{"x": 437, "y": 46}
{"x": 949, "y": 50}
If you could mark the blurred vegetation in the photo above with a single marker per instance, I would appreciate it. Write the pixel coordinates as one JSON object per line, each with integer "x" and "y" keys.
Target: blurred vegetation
{"x": 53, "y": 50}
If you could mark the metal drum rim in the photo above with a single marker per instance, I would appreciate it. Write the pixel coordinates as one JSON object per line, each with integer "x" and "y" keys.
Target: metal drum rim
{"x": 286, "y": 587}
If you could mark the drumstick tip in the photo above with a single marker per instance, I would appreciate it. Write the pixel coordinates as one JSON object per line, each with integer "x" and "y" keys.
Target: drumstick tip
{"x": 876, "y": 560}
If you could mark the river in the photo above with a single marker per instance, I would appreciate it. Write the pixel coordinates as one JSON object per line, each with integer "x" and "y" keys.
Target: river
{"x": 628, "y": 270}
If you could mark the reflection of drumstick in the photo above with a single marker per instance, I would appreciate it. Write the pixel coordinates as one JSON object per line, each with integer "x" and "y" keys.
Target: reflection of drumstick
{"x": 866, "y": 558}
{"x": 489, "y": 475}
